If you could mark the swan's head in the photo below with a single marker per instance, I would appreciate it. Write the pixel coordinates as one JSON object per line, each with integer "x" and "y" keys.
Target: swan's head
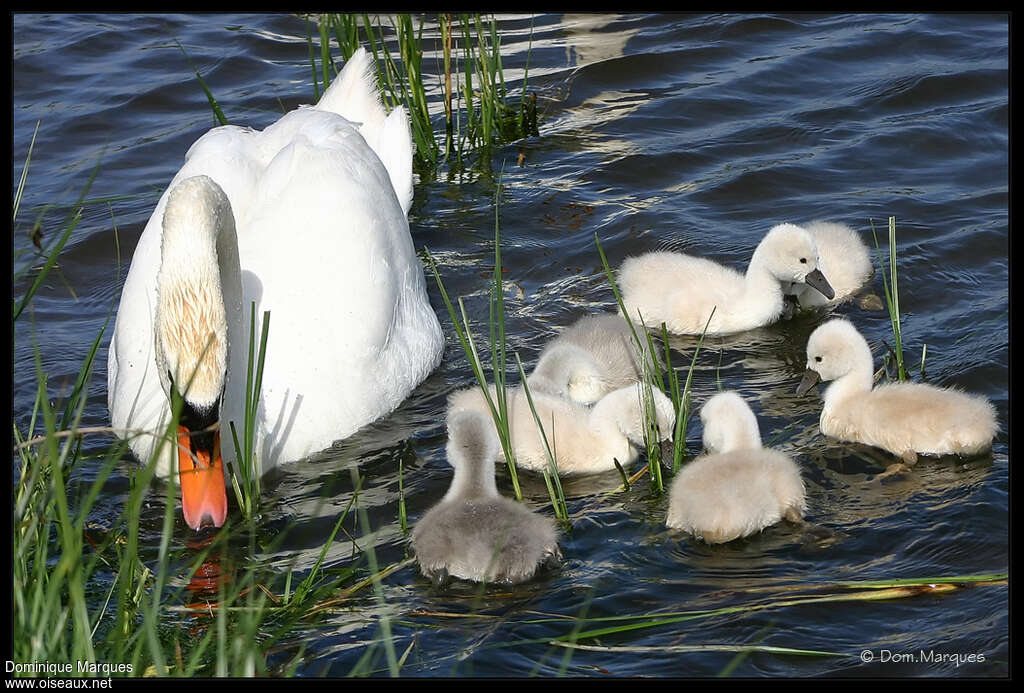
{"x": 729, "y": 424}
{"x": 191, "y": 339}
{"x": 567, "y": 370}
{"x": 833, "y": 350}
{"x": 471, "y": 439}
{"x": 790, "y": 254}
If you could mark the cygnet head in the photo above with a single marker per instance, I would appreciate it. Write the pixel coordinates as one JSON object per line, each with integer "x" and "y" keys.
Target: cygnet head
{"x": 472, "y": 448}
{"x": 567, "y": 370}
{"x": 834, "y": 350}
{"x": 790, "y": 254}
{"x": 191, "y": 338}
{"x": 729, "y": 424}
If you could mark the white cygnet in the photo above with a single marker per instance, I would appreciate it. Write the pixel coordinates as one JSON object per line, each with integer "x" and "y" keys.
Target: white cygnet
{"x": 590, "y": 358}
{"x": 737, "y": 488}
{"x": 906, "y": 419}
{"x": 583, "y": 440}
{"x": 842, "y": 257}
{"x": 681, "y": 290}
{"x": 474, "y": 533}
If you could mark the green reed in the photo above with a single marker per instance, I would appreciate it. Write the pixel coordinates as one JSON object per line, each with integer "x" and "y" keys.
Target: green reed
{"x": 653, "y": 375}
{"x": 551, "y": 477}
{"x": 498, "y": 405}
{"x": 892, "y": 302}
{"x": 249, "y": 466}
{"x": 214, "y": 106}
{"x": 483, "y": 115}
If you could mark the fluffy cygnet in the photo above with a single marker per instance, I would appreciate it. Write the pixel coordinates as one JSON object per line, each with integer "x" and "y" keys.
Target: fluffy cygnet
{"x": 681, "y": 290}
{"x": 474, "y": 533}
{"x": 583, "y": 440}
{"x": 589, "y": 359}
{"x": 842, "y": 257}
{"x": 904, "y": 418}
{"x": 737, "y": 488}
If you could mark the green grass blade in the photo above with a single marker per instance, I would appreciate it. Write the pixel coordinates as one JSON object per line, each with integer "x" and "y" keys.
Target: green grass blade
{"x": 217, "y": 112}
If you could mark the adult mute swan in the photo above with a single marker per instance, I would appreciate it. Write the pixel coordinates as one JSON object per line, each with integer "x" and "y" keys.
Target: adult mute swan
{"x": 737, "y": 488}
{"x": 473, "y": 533}
{"x": 307, "y": 219}
{"x": 906, "y": 419}
{"x": 681, "y": 290}
{"x": 583, "y": 440}
{"x": 589, "y": 359}
{"x": 843, "y": 258}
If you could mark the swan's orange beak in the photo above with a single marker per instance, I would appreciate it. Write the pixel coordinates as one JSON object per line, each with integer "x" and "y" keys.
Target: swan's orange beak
{"x": 204, "y": 499}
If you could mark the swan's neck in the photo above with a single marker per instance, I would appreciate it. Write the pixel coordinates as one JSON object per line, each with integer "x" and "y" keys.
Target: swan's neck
{"x": 738, "y": 434}
{"x": 857, "y": 381}
{"x": 474, "y": 478}
{"x": 762, "y": 293}
{"x": 191, "y": 319}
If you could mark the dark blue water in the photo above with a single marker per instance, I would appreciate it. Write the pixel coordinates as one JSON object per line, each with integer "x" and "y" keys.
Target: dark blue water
{"x": 696, "y": 133}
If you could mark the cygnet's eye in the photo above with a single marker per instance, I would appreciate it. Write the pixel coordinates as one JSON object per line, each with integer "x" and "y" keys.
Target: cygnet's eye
{"x": 818, "y": 359}
{"x": 803, "y": 260}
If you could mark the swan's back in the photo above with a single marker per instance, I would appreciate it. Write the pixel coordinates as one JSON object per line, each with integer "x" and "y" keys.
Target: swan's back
{"x": 325, "y": 210}
{"x": 677, "y": 289}
{"x": 565, "y": 423}
{"x": 918, "y": 417}
{"x": 483, "y": 540}
{"x": 727, "y": 496}
{"x": 583, "y": 440}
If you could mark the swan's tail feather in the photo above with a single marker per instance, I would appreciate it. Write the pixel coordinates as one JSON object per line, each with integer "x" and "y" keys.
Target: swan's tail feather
{"x": 354, "y": 95}
{"x": 394, "y": 147}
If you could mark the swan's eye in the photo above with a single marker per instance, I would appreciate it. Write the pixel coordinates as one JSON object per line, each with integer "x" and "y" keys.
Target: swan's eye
{"x": 818, "y": 359}
{"x": 803, "y": 260}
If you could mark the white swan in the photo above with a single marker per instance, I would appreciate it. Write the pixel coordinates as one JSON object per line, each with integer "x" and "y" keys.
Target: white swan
{"x": 738, "y": 488}
{"x": 843, "y": 258}
{"x": 904, "y": 418}
{"x": 681, "y": 290}
{"x": 473, "y": 533}
{"x": 589, "y": 359}
{"x": 308, "y": 220}
{"x": 583, "y": 440}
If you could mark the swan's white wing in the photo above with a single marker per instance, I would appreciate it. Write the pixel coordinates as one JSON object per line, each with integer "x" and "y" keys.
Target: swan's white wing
{"x": 325, "y": 247}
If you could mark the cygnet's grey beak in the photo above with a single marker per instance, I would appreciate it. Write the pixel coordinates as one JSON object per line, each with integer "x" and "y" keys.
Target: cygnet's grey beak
{"x": 810, "y": 379}
{"x": 817, "y": 281}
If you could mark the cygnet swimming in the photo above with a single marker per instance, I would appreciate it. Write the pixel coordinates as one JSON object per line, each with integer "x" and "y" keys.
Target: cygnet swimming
{"x": 583, "y": 440}
{"x": 474, "y": 533}
{"x": 682, "y": 290}
{"x": 590, "y": 358}
{"x": 905, "y": 418}
{"x": 737, "y": 488}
